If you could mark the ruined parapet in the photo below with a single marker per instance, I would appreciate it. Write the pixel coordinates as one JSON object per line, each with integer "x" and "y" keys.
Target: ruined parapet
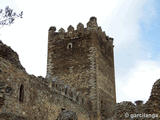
{"x": 8, "y": 54}
{"x": 71, "y": 94}
{"x": 65, "y": 92}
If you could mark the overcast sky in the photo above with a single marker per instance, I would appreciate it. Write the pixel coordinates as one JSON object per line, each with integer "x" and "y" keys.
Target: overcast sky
{"x": 134, "y": 25}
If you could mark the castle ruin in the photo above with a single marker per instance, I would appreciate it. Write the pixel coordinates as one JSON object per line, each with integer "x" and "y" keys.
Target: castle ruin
{"x": 79, "y": 85}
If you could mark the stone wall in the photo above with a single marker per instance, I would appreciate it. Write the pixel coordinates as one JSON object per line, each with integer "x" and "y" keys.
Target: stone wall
{"x": 83, "y": 59}
{"x": 30, "y": 97}
{"x": 68, "y": 59}
{"x": 105, "y": 74}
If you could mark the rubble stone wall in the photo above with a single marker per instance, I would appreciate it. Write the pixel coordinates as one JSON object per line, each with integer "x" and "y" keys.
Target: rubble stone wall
{"x": 35, "y": 100}
{"x": 149, "y": 110}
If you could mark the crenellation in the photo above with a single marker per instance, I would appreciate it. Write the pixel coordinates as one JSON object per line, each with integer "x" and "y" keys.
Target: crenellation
{"x": 61, "y": 33}
{"x": 70, "y": 93}
{"x": 70, "y": 29}
{"x": 52, "y": 28}
{"x": 71, "y": 32}
{"x": 61, "y": 30}
{"x": 92, "y": 24}
{"x": 80, "y": 32}
{"x": 80, "y": 29}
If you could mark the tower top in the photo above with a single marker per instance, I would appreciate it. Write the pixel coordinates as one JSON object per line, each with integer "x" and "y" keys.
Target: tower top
{"x": 91, "y": 25}
{"x": 79, "y": 31}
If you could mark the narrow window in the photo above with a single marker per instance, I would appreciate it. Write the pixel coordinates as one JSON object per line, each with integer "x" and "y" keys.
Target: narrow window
{"x": 21, "y": 93}
{"x": 69, "y": 46}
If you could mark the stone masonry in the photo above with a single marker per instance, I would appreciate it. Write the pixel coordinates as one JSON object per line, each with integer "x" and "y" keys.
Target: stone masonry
{"x": 26, "y": 97}
{"x": 79, "y": 85}
{"x": 83, "y": 58}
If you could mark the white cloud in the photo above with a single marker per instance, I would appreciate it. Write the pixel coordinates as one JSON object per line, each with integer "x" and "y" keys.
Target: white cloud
{"x": 125, "y": 28}
{"x": 140, "y": 80}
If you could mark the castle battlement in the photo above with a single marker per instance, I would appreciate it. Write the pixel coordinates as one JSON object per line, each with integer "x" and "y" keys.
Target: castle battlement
{"x": 68, "y": 92}
{"x": 79, "y": 32}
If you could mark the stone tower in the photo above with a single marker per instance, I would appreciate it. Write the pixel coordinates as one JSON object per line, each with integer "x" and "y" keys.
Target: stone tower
{"x": 83, "y": 58}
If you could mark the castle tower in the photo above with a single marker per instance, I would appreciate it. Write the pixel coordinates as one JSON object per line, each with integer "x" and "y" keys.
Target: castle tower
{"x": 83, "y": 58}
